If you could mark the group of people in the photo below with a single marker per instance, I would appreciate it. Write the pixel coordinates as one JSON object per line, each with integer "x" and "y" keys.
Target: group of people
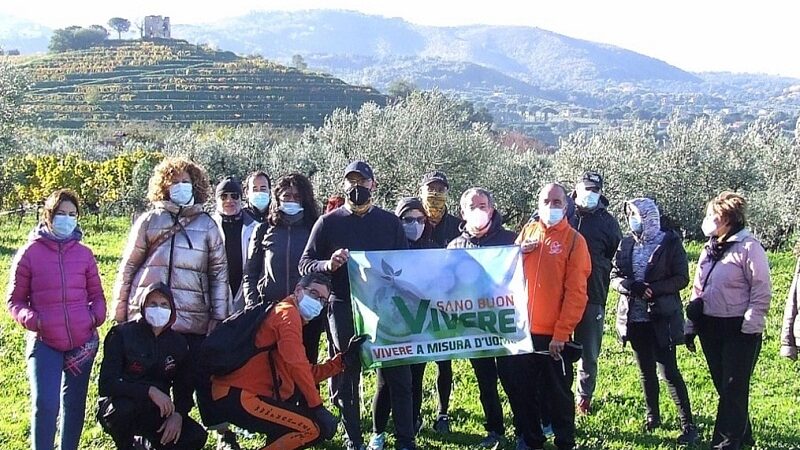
{"x": 183, "y": 271}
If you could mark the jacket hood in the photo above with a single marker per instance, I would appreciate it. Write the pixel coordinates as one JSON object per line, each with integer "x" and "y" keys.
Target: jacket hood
{"x": 647, "y": 210}
{"x": 42, "y": 233}
{"x": 167, "y": 292}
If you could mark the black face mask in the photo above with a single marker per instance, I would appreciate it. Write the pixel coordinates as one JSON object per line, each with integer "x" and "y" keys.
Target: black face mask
{"x": 358, "y": 195}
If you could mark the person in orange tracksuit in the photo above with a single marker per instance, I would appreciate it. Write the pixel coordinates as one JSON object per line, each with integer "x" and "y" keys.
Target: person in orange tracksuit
{"x": 291, "y": 413}
{"x": 556, "y": 264}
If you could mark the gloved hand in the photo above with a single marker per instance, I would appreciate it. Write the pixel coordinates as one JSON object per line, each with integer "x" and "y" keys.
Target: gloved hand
{"x": 638, "y": 288}
{"x": 688, "y": 340}
{"x": 326, "y": 421}
{"x": 351, "y": 353}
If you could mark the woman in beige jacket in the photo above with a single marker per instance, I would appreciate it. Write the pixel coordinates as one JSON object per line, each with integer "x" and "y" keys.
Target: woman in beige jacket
{"x": 178, "y": 244}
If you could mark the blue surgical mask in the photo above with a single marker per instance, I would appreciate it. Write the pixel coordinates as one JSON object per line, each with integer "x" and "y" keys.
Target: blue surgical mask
{"x": 260, "y": 200}
{"x": 309, "y": 307}
{"x": 588, "y": 200}
{"x": 552, "y": 216}
{"x": 413, "y": 230}
{"x": 181, "y": 193}
{"x": 291, "y": 208}
{"x": 635, "y": 223}
{"x": 63, "y": 225}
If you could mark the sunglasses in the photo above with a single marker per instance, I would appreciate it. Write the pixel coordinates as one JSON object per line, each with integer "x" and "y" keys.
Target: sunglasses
{"x": 232, "y": 196}
{"x": 409, "y": 220}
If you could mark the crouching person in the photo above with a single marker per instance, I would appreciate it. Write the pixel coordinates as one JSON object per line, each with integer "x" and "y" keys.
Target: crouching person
{"x": 275, "y": 391}
{"x": 142, "y": 361}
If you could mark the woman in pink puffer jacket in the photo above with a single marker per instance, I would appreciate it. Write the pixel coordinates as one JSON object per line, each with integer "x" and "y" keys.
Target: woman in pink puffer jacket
{"x": 55, "y": 294}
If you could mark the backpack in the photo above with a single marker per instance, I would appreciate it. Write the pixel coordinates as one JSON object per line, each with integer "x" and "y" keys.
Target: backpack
{"x": 233, "y": 342}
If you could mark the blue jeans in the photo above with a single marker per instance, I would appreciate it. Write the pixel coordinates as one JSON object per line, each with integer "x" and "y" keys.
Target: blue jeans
{"x": 59, "y": 381}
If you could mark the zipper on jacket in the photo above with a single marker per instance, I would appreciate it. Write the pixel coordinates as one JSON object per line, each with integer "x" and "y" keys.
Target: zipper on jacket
{"x": 64, "y": 292}
{"x": 288, "y": 251}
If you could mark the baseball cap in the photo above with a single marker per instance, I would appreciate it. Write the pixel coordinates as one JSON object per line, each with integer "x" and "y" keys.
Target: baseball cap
{"x": 361, "y": 168}
{"x": 432, "y": 177}
{"x": 592, "y": 179}
{"x": 229, "y": 185}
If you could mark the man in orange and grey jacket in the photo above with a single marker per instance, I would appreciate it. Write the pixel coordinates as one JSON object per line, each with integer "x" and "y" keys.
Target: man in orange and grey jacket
{"x": 556, "y": 264}
{"x": 291, "y": 413}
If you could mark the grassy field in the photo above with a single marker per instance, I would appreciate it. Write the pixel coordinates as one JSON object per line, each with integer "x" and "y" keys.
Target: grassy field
{"x": 619, "y": 406}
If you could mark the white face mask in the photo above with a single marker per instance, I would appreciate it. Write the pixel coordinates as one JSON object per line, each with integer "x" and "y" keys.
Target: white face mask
{"x": 635, "y": 223}
{"x": 709, "y": 226}
{"x": 477, "y": 219}
{"x": 551, "y": 216}
{"x": 181, "y": 193}
{"x": 259, "y": 200}
{"x": 291, "y": 208}
{"x": 157, "y": 316}
{"x": 64, "y": 225}
{"x": 309, "y": 307}
{"x": 588, "y": 199}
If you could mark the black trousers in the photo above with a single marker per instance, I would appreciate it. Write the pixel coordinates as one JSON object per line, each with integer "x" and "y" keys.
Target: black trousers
{"x": 125, "y": 417}
{"x": 555, "y": 378}
{"x": 417, "y": 375}
{"x": 444, "y": 384}
{"x": 731, "y": 357}
{"x": 487, "y": 372}
{"x": 650, "y": 356}
{"x": 201, "y": 385}
{"x": 394, "y": 393}
{"x": 344, "y": 386}
{"x": 287, "y": 426}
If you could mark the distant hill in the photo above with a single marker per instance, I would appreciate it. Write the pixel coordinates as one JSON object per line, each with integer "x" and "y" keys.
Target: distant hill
{"x": 172, "y": 81}
{"x": 542, "y": 58}
{"x": 22, "y": 35}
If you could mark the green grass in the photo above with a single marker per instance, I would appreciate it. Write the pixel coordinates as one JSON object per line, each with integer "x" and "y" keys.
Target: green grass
{"x": 619, "y": 407}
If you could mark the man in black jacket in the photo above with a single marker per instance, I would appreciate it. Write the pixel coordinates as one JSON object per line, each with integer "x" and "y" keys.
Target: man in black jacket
{"x": 602, "y": 234}
{"x": 358, "y": 225}
{"x": 142, "y": 360}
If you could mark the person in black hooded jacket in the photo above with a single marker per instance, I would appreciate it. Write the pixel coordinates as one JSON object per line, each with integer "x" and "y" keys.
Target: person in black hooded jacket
{"x": 143, "y": 360}
{"x": 602, "y": 234}
{"x": 650, "y": 269}
{"x": 483, "y": 227}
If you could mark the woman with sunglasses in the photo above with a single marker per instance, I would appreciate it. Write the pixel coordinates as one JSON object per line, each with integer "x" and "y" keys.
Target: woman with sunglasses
{"x": 236, "y": 227}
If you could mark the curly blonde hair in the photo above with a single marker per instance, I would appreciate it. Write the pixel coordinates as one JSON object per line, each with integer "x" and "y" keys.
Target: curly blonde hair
{"x": 168, "y": 169}
{"x": 730, "y": 207}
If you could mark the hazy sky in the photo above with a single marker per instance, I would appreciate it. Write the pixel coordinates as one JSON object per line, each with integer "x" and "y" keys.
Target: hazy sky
{"x": 696, "y": 35}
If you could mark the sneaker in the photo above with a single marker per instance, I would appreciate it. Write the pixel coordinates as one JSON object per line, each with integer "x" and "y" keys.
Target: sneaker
{"x": 547, "y": 430}
{"x": 377, "y": 442}
{"x": 492, "y": 441}
{"x": 442, "y": 425}
{"x": 584, "y": 406}
{"x": 520, "y": 444}
{"x": 140, "y": 443}
{"x": 227, "y": 441}
{"x": 351, "y": 446}
{"x": 651, "y": 423}
{"x": 689, "y": 435}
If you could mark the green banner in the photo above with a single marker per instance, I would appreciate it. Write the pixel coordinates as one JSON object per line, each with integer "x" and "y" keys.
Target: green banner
{"x": 437, "y": 304}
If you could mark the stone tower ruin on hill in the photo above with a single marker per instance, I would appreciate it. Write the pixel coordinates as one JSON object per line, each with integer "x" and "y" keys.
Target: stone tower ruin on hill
{"x": 156, "y": 27}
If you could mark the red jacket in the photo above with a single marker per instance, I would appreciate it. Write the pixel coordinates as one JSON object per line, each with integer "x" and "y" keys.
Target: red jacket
{"x": 284, "y": 326}
{"x": 55, "y": 290}
{"x": 556, "y": 273}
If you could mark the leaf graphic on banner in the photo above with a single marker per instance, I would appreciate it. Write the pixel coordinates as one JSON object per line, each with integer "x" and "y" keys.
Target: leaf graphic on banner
{"x": 387, "y": 269}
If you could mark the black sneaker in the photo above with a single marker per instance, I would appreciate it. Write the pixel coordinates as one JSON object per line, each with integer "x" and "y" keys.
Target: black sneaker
{"x": 227, "y": 441}
{"x": 442, "y": 425}
{"x": 689, "y": 435}
{"x": 492, "y": 441}
{"x": 651, "y": 423}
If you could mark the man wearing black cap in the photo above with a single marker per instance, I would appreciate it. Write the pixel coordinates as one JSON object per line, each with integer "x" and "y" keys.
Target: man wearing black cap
{"x": 602, "y": 234}
{"x": 236, "y": 228}
{"x": 441, "y": 228}
{"x": 358, "y": 225}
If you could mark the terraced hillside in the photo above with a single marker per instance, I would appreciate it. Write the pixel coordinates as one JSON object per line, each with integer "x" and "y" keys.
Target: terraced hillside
{"x": 172, "y": 81}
